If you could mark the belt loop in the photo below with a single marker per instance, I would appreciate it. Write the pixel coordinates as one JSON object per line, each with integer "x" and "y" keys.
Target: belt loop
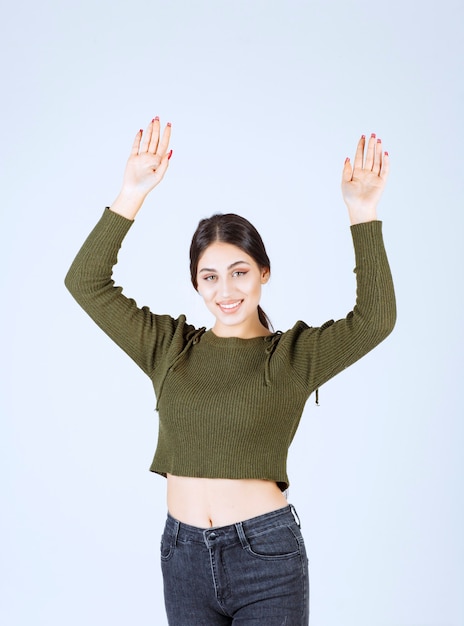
{"x": 295, "y": 515}
{"x": 175, "y": 533}
{"x": 241, "y": 535}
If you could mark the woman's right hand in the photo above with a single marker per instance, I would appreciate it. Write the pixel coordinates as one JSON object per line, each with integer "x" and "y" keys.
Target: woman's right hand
{"x": 145, "y": 168}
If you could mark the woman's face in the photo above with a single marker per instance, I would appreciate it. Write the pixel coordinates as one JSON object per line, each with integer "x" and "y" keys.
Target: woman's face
{"x": 229, "y": 281}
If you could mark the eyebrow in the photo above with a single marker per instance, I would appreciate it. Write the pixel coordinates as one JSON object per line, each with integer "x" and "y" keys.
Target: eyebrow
{"x": 209, "y": 269}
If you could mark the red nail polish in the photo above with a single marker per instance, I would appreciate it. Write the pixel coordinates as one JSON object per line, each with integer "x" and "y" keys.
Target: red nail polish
{"x": 169, "y": 124}
{"x": 169, "y": 155}
{"x": 373, "y": 136}
{"x": 155, "y": 119}
{"x": 363, "y": 136}
{"x": 386, "y": 153}
{"x": 347, "y": 159}
{"x": 379, "y": 141}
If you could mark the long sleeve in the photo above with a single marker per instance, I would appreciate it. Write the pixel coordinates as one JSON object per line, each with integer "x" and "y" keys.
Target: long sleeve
{"x": 145, "y": 337}
{"x": 318, "y": 354}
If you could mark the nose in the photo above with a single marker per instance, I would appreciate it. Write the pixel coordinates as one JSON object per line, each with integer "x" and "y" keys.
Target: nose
{"x": 225, "y": 287}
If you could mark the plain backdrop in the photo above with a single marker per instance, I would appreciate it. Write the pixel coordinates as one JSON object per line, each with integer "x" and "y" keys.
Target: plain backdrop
{"x": 266, "y": 99}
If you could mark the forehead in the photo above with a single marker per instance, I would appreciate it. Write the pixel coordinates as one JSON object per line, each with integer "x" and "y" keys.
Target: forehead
{"x": 220, "y": 254}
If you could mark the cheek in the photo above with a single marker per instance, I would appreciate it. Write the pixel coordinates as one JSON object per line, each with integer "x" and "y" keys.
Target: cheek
{"x": 205, "y": 291}
{"x": 257, "y": 287}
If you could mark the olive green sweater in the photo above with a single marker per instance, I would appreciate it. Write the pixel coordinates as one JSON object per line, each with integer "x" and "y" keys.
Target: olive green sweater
{"x": 229, "y": 407}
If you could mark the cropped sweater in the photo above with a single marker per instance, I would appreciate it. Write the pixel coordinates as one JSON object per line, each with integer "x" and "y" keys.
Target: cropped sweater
{"x": 229, "y": 407}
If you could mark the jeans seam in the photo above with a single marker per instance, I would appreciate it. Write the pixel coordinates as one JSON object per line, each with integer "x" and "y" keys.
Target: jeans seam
{"x": 212, "y": 561}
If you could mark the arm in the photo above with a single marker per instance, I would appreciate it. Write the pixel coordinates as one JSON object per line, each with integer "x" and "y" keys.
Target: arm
{"x": 136, "y": 330}
{"x": 336, "y": 345}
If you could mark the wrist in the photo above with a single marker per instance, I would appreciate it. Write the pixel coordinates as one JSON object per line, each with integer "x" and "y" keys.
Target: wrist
{"x": 359, "y": 215}
{"x": 362, "y": 219}
{"x": 128, "y": 203}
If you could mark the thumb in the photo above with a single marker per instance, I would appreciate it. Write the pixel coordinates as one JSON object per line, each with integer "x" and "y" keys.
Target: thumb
{"x": 163, "y": 166}
{"x": 347, "y": 174}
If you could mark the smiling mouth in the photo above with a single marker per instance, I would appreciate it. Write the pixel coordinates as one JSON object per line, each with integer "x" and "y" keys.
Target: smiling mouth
{"x": 229, "y": 307}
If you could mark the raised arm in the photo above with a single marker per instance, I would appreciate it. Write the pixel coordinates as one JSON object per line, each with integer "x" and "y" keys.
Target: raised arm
{"x": 140, "y": 333}
{"x": 318, "y": 354}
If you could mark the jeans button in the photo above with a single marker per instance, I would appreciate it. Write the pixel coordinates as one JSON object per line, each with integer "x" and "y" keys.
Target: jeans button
{"x": 212, "y": 536}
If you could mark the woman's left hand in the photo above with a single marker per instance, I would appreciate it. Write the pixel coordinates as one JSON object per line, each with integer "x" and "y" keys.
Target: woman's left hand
{"x": 363, "y": 184}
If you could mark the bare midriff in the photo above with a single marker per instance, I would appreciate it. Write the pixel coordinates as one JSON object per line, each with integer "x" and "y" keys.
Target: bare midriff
{"x": 207, "y": 502}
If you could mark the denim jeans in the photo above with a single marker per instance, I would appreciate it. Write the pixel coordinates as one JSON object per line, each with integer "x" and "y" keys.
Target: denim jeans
{"x": 253, "y": 572}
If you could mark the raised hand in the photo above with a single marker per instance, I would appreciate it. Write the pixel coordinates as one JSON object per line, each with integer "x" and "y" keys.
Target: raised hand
{"x": 363, "y": 184}
{"x": 145, "y": 168}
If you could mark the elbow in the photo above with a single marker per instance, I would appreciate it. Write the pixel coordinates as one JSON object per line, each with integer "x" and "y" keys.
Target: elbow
{"x": 391, "y": 317}
{"x": 70, "y": 281}
{"x": 388, "y": 329}
{"x": 392, "y": 323}
{"x": 73, "y": 282}
{"x": 380, "y": 326}
{"x": 387, "y": 325}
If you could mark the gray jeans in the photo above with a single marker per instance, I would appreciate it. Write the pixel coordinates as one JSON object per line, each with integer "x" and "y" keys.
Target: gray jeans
{"x": 254, "y": 572}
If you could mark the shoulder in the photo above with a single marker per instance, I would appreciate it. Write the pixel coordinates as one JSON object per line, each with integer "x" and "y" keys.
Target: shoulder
{"x": 301, "y": 335}
{"x": 176, "y": 326}
{"x": 288, "y": 339}
{"x": 295, "y": 332}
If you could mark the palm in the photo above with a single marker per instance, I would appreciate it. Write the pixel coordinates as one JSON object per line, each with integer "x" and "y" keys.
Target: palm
{"x": 364, "y": 187}
{"x": 363, "y": 184}
{"x": 148, "y": 160}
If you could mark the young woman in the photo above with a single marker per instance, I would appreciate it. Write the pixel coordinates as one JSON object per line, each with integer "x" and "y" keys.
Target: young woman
{"x": 230, "y": 398}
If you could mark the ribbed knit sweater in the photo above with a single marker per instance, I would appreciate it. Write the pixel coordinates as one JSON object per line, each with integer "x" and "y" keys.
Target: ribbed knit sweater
{"x": 230, "y": 407}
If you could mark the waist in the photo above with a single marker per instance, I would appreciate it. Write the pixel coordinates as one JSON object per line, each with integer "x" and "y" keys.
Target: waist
{"x": 207, "y": 502}
{"x": 232, "y": 532}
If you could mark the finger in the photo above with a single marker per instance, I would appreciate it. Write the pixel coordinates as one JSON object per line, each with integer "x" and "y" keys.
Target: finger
{"x": 369, "y": 163}
{"x": 359, "y": 157}
{"x": 163, "y": 166}
{"x": 377, "y": 165}
{"x": 136, "y": 144}
{"x": 146, "y": 138}
{"x": 164, "y": 143}
{"x": 155, "y": 126}
{"x": 347, "y": 173}
{"x": 385, "y": 166}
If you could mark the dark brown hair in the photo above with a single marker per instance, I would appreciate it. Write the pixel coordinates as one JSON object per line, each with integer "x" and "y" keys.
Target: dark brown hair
{"x": 233, "y": 229}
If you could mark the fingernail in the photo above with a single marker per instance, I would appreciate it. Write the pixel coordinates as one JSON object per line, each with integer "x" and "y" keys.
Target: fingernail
{"x": 373, "y": 136}
{"x": 386, "y": 153}
{"x": 363, "y": 136}
{"x": 169, "y": 124}
{"x": 379, "y": 141}
{"x": 169, "y": 155}
{"x": 347, "y": 159}
{"x": 141, "y": 130}
{"x": 155, "y": 119}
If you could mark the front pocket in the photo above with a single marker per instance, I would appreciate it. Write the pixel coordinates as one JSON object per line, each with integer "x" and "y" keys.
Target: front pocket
{"x": 166, "y": 547}
{"x": 275, "y": 543}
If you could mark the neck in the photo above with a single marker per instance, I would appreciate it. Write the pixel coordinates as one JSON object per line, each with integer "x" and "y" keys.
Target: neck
{"x": 248, "y": 332}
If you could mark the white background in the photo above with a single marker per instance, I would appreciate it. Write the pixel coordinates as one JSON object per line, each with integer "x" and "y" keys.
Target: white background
{"x": 266, "y": 99}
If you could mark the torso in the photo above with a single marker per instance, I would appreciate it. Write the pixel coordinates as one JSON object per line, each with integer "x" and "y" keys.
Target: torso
{"x": 207, "y": 502}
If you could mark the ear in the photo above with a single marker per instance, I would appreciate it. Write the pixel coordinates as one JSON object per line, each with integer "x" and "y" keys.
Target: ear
{"x": 265, "y": 275}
